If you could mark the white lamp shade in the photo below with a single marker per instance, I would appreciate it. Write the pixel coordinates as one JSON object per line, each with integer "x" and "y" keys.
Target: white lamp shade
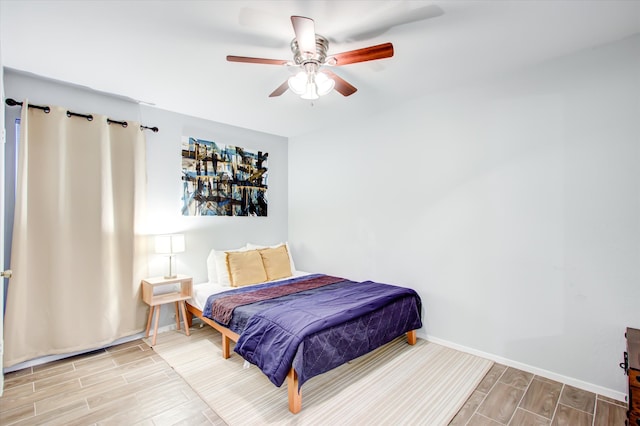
{"x": 298, "y": 83}
{"x": 170, "y": 244}
{"x": 311, "y": 93}
{"x": 311, "y": 85}
{"x": 325, "y": 84}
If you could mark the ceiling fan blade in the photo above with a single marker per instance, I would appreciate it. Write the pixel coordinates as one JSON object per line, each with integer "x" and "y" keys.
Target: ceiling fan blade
{"x": 305, "y": 30}
{"x": 371, "y": 53}
{"x": 342, "y": 86}
{"x": 280, "y": 90}
{"x": 246, "y": 59}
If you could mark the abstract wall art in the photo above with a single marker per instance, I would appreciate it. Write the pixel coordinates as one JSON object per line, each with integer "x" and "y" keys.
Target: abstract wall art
{"x": 222, "y": 180}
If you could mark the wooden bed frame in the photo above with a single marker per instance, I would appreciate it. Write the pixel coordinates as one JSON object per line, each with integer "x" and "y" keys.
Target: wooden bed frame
{"x": 295, "y": 395}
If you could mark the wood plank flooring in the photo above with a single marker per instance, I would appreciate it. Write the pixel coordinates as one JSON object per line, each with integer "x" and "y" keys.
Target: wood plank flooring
{"x": 130, "y": 384}
{"x": 126, "y": 384}
{"x": 507, "y": 396}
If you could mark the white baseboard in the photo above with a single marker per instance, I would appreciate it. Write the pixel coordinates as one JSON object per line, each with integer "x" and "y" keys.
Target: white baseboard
{"x": 590, "y": 387}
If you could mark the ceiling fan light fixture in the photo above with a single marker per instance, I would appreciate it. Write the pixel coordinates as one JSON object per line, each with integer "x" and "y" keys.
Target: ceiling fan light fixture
{"x": 311, "y": 93}
{"x": 310, "y": 84}
{"x": 298, "y": 83}
{"x": 324, "y": 84}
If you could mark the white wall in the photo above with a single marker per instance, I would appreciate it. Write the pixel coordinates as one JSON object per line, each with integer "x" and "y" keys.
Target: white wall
{"x": 512, "y": 206}
{"x": 164, "y": 172}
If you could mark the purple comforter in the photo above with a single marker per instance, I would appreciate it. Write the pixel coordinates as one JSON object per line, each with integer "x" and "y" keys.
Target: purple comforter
{"x": 325, "y": 329}
{"x": 222, "y": 308}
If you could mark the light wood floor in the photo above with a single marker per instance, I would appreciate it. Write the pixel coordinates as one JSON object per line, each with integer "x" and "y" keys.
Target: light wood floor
{"x": 124, "y": 385}
{"x": 130, "y": 384}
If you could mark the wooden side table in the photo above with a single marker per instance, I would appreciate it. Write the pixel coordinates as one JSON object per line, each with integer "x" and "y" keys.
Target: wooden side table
{"x": 156, "y": 300}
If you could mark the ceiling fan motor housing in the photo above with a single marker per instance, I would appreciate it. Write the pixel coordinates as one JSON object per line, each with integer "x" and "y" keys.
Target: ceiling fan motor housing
{"x": 318, "y": 57}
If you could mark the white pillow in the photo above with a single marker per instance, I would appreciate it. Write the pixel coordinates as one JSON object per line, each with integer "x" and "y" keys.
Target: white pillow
{"x": 215, "y": 268}
{"x": 256, "y": 246}
{"x": 212, "y": 275}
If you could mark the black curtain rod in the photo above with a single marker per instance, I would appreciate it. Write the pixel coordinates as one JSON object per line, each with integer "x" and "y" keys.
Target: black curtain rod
{"x": 46, "y": 109}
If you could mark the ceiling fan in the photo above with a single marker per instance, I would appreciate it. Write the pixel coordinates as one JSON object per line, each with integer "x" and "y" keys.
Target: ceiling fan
{"x": 310, "y": 54}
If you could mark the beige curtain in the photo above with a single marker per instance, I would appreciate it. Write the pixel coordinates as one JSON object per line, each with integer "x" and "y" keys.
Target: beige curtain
{"x": 76, "y": 256}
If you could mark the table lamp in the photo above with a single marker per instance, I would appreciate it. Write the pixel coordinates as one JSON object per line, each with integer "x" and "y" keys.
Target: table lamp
{"x": 170, "y": 245}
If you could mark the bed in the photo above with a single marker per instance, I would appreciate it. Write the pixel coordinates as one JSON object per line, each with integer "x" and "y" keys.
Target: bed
{"x": 299, "y": 325}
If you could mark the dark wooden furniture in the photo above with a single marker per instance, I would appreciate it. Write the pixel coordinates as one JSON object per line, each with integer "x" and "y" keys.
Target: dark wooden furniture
{"x": 632, "y": 364}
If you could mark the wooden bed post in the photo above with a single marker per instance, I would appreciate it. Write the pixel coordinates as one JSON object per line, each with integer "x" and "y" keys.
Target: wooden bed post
{"x": 188, "y": 318}
{"x": 226, "y": 353}
{"x": 295, "y": 395}
{"x": 411, "y": 337}
{"x": 227, "y": 335}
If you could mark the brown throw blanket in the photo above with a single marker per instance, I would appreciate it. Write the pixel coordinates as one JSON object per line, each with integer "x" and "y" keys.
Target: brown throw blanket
{"x": 222, "y": 308}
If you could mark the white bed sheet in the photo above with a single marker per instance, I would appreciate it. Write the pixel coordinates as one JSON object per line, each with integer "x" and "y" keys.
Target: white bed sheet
{"x": 202, "y": 291}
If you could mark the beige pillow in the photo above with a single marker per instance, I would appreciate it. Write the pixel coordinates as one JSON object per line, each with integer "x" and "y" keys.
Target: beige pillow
{"x": 220, "y": 259}
{"x": 245, "y": 267}
{"x": 276, "y": 262}
{"x": 251, "y": 246}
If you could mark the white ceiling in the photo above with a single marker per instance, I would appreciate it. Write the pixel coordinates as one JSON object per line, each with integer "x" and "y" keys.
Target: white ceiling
{"x": 172, "y": 53}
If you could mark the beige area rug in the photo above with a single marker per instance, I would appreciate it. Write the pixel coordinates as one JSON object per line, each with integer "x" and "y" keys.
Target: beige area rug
{"x": 396, "y": 384}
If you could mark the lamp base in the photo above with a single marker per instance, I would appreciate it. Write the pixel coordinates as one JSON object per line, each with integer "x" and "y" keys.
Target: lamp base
{"x": 172, "y": 270}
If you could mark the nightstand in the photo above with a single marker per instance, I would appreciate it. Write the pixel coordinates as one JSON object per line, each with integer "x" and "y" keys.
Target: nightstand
{"x": 184, "y": 292}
